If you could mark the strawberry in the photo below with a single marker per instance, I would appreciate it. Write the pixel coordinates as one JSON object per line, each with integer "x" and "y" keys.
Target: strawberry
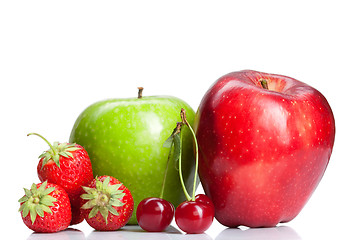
{"x": 109, "y": 204}
{"x": 69, "y": 166}
{"x": 45, "y": 208}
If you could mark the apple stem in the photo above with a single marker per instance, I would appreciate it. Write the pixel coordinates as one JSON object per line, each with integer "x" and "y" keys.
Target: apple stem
{"x": 51, "y": 146}
{"x": 264, "y": 83}
{"x": 166, "y": 170}
{"x": 140, "y": 92}
{"x": 183, "y": 117}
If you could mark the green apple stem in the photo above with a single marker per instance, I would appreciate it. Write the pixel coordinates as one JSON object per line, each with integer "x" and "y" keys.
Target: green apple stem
{"x": 140, "y": 92}
{"x": 183, "y": 117}
{"x": 51, "y": 146}
{"x": 264, "y": 83}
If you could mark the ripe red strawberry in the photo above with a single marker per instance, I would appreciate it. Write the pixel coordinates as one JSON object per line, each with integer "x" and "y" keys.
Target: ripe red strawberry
{"x": 109, "y": 204}
{"x": 45, "y": 208}
{"x": 69, "y": 166}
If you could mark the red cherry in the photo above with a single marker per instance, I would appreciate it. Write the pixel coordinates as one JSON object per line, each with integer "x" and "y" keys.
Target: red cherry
{"x": 204, "y": 199}
{"x": 154, "y": 214}
{"x": 195, "y": 216}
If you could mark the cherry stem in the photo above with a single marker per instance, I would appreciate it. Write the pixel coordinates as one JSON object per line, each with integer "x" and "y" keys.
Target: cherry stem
{"x": 264, "y": 83}
{"x": 183, "y": 117}
{"x": 140, "y": 92}
{"x": 51, "y": 146}
{"x": 166, "y": 170}
{"x": 180, "y": 172}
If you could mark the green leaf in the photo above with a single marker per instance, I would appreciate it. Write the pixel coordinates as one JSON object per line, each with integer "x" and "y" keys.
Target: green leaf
{"x": 87, "y": 196}
{"x": 116, "y": 202}
{"x": 23, "y": 199}
{"x": 114, "y": 188}
{"x": 106, "y": 183}
{"x": 26, "y": 210}
{"x": 93, "y": 212}
{"x": 45, "y": 160}
{"x": 118, "y": 196}
{"x": 42, "y": 187}
{"x": 99, "y": 184}
{"x": 33, "y": 214}
{"x": 42, "y": 155}
{"x": 71, "y": 145}
{"x": 45, "y": 208}
{"x": 177, "y": 147}
{"x": 21, "y": 207}
{"x": 64, "y": 154}
{"x": 105, "y": 213}
{"x": 39, "y": 210}
{"x": 168, "y": 142}
{"x": 48, "y": 200}
{"x": 33, "y": 188}
{"x": 89, "y": 204}
{"x": 72, "y": 149}
{"x": 56, "y": 159}
{"x": 112, "y": 210}
{"x": 27, "y": 192}
{"x": 88, "y": 190}
{"x": 47, "y": 191}
{"x": 70, "y": 155}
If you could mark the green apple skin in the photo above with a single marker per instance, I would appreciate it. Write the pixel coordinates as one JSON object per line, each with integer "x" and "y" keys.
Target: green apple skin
{"x": 124, "y": 139}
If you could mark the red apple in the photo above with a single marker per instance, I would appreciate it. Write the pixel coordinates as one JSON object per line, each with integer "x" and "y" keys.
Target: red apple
{"x": 262, "y": 149}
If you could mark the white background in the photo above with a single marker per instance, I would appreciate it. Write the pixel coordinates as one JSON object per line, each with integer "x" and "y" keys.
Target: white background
{"x": 58, "y": 57}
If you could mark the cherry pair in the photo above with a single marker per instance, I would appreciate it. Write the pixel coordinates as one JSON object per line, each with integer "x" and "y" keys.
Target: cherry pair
{"x": 156, "y": 214}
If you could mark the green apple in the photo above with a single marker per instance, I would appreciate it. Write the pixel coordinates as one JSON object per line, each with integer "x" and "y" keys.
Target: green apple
{"x": 124, "y": 139}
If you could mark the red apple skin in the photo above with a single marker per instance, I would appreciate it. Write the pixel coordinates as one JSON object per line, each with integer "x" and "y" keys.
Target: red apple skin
{"x": 262, "y": 152}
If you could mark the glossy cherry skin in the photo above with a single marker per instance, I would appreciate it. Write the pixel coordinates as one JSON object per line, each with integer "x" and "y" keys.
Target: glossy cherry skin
{"x": 195, "y": 216}
{"x": 204, "y": 199}
{"x": 154, "y": 214}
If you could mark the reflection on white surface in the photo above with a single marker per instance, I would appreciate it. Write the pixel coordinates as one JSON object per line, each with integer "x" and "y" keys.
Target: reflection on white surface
{"x": 136, "y": 233}
{"x": 171, "y": 233}
{"x": 69, "y": 233}
{"x": 203, "y": 236}
{"x": 275, "y": 233}
{"x": 131, "y": 232}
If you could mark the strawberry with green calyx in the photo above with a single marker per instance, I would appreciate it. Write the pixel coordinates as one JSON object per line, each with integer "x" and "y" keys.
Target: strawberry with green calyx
{"x": 45, "y": 208}
{"x": 109, "y": 204}
{"x": 68, "y": 165}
